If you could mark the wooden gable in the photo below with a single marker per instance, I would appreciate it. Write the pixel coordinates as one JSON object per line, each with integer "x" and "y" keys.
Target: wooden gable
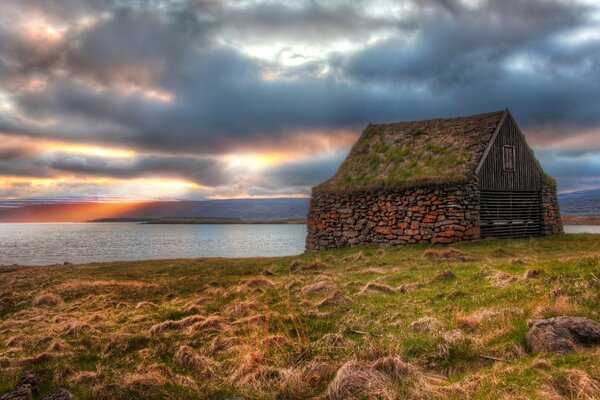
{"x": 508, "y": 163}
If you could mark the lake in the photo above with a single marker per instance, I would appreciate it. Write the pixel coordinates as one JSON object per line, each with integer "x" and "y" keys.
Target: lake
{"x": 51, "y": 243}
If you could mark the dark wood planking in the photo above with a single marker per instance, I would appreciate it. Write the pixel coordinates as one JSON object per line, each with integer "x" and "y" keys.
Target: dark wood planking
{"x": 510, "y": 214}
{"x": 526, "y": 176}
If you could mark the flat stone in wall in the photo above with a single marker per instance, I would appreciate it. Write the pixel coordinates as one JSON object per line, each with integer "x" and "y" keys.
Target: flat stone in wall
{"x": 425, "y": 215}
{"x": 551, "y": 222}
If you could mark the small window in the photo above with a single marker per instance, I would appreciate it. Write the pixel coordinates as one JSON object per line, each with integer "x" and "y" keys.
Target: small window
{"x": 508, "y": 158}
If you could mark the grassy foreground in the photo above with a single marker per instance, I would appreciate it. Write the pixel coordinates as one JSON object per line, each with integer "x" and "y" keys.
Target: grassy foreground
{"x": 392, "y": 323}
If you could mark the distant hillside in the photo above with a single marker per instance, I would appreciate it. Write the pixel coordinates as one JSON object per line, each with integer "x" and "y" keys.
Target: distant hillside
{"x": 585, "y": 202}
{"x": 243, "y": 209}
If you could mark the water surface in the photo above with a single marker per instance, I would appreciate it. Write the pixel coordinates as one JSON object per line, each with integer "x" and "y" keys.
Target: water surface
{"x": 51, "y": 243}
{"x": 582, "y": 229}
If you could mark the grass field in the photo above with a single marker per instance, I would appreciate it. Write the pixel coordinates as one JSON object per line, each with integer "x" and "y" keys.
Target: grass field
{"x": 393, "y": 323}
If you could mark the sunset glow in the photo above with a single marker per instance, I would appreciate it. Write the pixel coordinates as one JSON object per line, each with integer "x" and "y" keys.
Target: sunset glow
{"x": 215, "y": 99}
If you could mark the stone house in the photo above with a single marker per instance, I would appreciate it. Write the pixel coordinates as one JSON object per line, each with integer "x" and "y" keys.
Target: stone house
{"x": 435, "y": 181}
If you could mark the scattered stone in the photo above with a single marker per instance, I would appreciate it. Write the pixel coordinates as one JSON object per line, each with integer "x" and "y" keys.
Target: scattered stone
{"x": 25, "y": 389}
{"x": 60, "y": 394}
{"x": 562, "y": 334}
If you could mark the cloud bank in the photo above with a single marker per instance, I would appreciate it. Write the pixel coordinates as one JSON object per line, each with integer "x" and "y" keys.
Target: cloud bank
{"x": 264, "y": 98}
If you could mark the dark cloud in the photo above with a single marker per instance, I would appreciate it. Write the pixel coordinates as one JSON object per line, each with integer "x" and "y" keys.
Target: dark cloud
{"x": 186, "y": 78}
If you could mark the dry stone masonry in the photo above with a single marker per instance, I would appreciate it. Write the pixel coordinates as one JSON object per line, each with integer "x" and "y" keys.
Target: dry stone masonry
{"x": 426, "y": 215}
{"x": 551, "y": 222}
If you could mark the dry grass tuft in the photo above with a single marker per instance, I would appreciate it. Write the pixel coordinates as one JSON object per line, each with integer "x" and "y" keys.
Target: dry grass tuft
{"x": 241, "y": 308}
{"x": 301, "y": 382}
{"x": 426, "y": 324}
{"x": 334, "y": 300}
{"x": 576, "y": 384}
{"x": 188, "y": 358}
{"x": 451, "y": 341}
{"x": 533, "y": 273}
{"x": 502, "y": 279}
{"x": 77, "y": 328}
{"x": 145, "y": 305}
{"x": 468, "y": 322}
{"x": 377, "y": 287}
{"x": 334, "y": 340}
{"x": 253, "y": 320}
{"x": 220, "y": 344}
{"x": 298, "y": 265}
{"x": 555, "y": 307}
{"x": 373, "y": 271}
{"x": 363, "y": 379}
{"x": 145, "y": 380}
{"x": 359, "y": 256}
{"x": 444, "y": 276}
{"x": 321, "y": 287}
{"x": 175, "y": 325}
{"x": 213, "y": 322}
{"x": 256, "y": 283}
{"x": 47, "y": 299}
{"x": 86, "y": 378}
{"x": 447, "y": 254}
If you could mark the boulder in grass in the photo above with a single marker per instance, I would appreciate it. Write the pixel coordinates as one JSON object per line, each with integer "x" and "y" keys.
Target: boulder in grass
{"x": 25, "y": 389}
{"x": 562, "y": 334}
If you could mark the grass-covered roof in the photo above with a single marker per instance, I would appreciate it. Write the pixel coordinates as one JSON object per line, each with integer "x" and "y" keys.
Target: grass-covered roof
{"x": 416, "y": 153}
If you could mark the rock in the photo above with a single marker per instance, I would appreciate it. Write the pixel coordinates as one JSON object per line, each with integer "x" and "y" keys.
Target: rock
{"x": 60, "y": 394}
{"x": 67, "y": 264}
{"x": 562, "y": 334}
{"x": 25, "y": 389}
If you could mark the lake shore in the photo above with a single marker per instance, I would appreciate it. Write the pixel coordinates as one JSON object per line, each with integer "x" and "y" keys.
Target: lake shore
{"x": 454, "y": 319}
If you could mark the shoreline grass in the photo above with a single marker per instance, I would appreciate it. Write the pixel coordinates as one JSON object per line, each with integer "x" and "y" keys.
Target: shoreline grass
{"x": 387, "y": 322}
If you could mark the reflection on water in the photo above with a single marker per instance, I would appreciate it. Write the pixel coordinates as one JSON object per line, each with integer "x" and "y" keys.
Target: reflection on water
{"x": 50, "y": 243}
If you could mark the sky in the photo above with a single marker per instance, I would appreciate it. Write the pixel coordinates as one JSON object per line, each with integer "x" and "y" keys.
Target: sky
{"x": 196, "y": 99}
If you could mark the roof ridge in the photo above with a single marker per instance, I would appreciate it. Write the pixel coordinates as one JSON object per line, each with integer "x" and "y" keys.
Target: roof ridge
{"x": 486, "y": 114}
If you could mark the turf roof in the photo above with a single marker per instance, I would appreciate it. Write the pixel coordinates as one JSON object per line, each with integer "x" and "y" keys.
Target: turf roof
{"x": 417, "y": 153}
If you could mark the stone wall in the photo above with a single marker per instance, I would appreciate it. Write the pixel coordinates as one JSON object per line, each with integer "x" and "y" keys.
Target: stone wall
{"x": 551, "y": 222}
{"x": 427, "y": 215}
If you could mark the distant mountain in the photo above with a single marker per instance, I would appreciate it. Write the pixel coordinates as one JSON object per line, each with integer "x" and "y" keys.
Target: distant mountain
{"x": 584, "y": 202}
{"x": 243, "y": 209}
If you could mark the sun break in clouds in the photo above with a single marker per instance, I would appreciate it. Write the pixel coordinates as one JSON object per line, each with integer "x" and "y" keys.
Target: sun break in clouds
{"x": 211, "y": 99}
